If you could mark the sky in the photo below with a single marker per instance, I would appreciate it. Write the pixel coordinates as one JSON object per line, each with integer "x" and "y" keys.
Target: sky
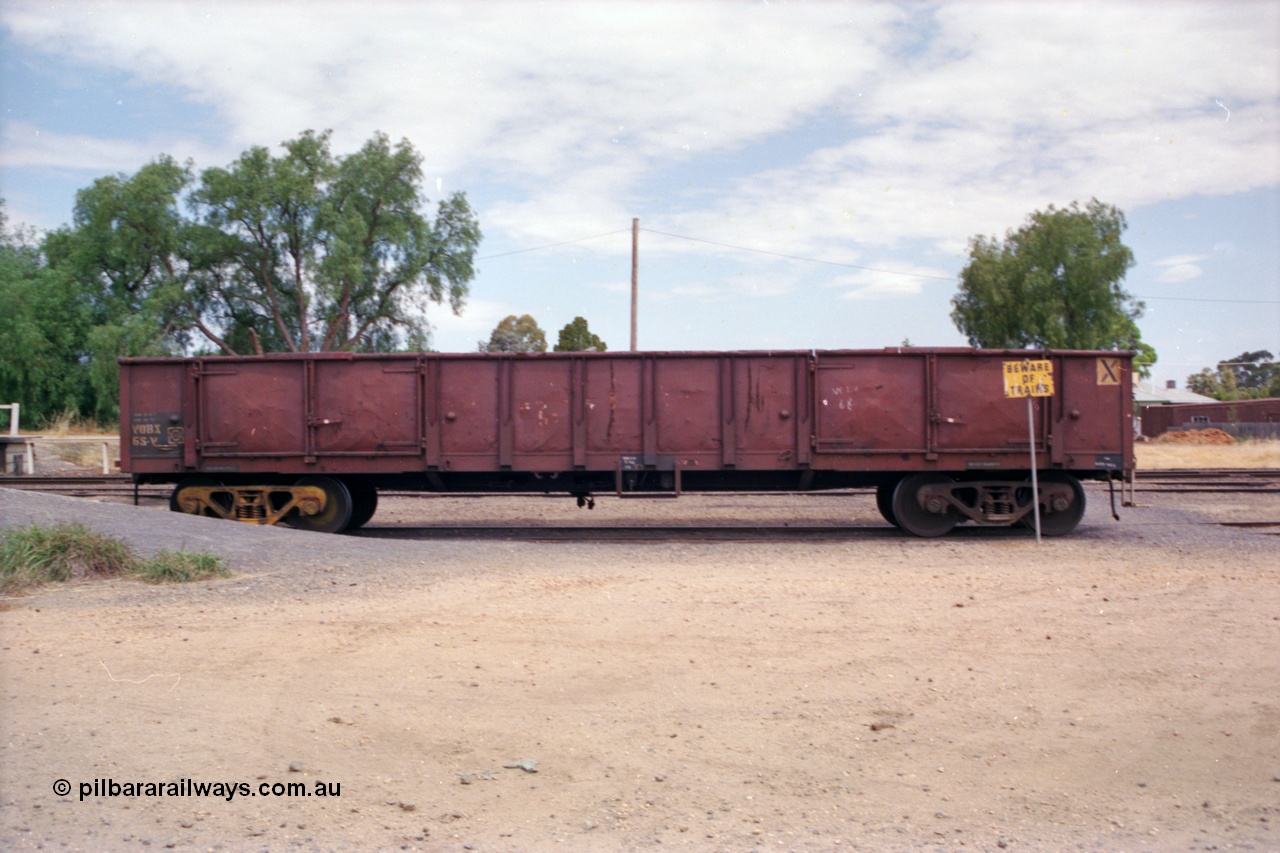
{"x": 805, "y": 175}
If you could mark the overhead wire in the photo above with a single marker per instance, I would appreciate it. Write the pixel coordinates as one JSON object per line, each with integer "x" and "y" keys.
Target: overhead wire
{"x": 832, "y": 263}
{"x": 554, "y": 245}
{"x": 1207, "y": 299}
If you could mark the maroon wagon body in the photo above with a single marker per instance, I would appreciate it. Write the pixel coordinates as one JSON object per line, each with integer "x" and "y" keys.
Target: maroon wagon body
{"x": 709, "y": 420}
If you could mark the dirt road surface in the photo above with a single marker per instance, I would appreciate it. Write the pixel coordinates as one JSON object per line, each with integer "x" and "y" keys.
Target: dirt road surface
{"x": 1118, "y": 689}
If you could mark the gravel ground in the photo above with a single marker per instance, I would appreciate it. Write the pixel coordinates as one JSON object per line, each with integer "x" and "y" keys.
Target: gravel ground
{"x": 1112, "y": 690}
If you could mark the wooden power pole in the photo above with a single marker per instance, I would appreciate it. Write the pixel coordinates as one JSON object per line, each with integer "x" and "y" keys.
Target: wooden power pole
{"x": 635, "y": 285}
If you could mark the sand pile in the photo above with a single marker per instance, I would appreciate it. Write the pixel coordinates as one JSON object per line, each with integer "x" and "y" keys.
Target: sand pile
{"x": 1197, "y": 436}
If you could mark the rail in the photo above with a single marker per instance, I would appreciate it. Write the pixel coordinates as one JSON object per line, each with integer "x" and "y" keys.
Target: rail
{"x": 1250, "y": 480}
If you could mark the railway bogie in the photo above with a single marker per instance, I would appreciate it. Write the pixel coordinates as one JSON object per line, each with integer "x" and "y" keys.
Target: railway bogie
{"x": 309, "y": 439}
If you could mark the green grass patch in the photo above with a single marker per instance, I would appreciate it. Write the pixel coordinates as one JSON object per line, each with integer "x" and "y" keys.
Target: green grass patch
{"x": 181, "y": 566}
{"x": 36, "y": 555}
{"x": 30, "y": 556}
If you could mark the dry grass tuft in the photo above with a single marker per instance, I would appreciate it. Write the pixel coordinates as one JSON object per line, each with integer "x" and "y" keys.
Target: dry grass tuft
{"x": 80, "y": 454}
{"x": 1250, "y": 453}
{"x": 70, "y": 423}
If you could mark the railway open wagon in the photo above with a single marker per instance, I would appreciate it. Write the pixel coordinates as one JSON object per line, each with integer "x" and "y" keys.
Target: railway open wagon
{"x": 309, "y": 439}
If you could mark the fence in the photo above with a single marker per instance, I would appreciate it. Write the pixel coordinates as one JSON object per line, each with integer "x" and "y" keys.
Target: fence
{"x": 18, "y": 452}
{"x": 14, "y": 410}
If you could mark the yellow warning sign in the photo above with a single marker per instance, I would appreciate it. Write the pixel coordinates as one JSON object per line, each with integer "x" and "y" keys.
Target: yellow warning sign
{"x": 1028, "y": 378}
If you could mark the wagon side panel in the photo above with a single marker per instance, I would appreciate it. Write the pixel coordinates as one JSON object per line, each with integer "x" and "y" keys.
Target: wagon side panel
{"x": 613, "y": 410}
{"x": 366, "y": 407}
{"x": 870, "y": 405}
{"x": 253, "y": 411}
{"x": 686, "y": 402}
{"x": 766, "y": 407}
{"x": 467, "y": 405}
{"x": 542, "y": 394}
{"x": 972, "y": 413}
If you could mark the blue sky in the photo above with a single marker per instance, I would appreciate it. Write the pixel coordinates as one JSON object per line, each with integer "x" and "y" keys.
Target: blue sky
{"x": 873, "y": 139}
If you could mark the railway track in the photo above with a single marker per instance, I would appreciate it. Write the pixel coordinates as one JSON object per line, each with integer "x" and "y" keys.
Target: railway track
{"x": 1236, "y": 480}
{"x": 631, "y": 533}
{"x": 1242, "y": 481}
{"x": 89, "y": 486}
{"x": 716, "y": 533}
{"x": 1230, "y": 480}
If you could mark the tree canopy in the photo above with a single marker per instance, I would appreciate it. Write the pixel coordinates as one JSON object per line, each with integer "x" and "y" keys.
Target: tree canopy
{"x": 515, "y": 334}
{"x": 44, "y": 326}
{"x": 307, "y": 251}
{"x": 1053, "y": 283}
{"x": 1250, "y": 375}
{"x": 297, "y": 251}
{"x": 302, "y": 251}
{"x": 576, "y": 337}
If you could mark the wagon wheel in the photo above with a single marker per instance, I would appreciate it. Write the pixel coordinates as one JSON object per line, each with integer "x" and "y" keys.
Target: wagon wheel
{"x": 175, "y": 497}
{"x": 912, "y": 511}
{"x": 335, "y": 515}
{"x": 884, "y": 501}
{"x": 364, "y": 503}
{"x": 1063, "y": 521}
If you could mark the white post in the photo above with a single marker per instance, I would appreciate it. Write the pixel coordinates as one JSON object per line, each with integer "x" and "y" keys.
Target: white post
{"x": 106, "y": 467}
{"x": 1035, "y": 480}
{"x": 14, "y": 409}
{"x": 635, "y": 276}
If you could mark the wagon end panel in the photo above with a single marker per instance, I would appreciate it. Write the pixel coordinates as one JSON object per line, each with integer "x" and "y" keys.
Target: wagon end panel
{"x": 1095, "y": 423}
{"x": 152, "y": 419}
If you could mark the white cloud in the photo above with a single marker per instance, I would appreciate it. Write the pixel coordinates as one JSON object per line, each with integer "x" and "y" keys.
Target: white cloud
{"x": 1015, "y": 106}
{"x": 891, "y": 280}
{"x": 538, "y": 90}
{"x": 26, "y": 145}
{"x": 461, "y": 333}
{"x": 916, "y": 125}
